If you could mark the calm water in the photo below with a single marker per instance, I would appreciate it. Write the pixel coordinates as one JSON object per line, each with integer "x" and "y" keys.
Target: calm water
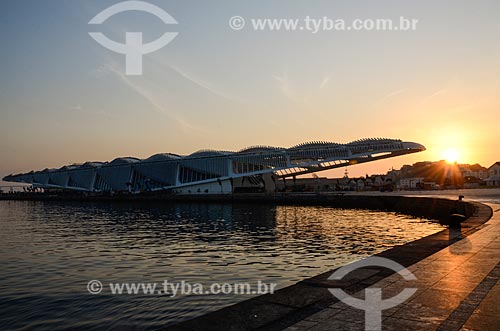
{"x": 49, "y": 252}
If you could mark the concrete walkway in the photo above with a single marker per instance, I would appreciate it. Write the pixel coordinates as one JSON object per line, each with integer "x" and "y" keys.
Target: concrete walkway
{"x": 458, "y": 289}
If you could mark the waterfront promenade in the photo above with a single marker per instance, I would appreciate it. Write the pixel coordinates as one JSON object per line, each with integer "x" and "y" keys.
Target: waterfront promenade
{"x": 457, "y": 272}
{"x": 458, "y": 289}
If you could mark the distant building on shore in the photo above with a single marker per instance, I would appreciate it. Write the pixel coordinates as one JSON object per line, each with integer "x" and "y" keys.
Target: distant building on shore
{"x": 324, "y": 184}
{"x": 419, "y": 176}
{"x": 474, "y": 170}
{"x": 410, "y": 183}
{"x": 494, "y": 175}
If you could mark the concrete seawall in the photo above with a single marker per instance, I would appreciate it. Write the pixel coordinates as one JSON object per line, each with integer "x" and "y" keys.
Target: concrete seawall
{"x": 295, "y": 303}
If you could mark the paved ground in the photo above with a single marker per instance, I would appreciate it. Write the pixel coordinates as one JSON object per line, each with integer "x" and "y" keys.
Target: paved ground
{"x": 458, "y": 289}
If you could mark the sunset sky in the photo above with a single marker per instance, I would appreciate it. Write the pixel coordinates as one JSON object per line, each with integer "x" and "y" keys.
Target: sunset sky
{"x": 66, "y": 99}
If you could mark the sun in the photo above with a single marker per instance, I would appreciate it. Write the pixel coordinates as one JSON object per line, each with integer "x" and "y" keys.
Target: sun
{"x": 451, "y": 155}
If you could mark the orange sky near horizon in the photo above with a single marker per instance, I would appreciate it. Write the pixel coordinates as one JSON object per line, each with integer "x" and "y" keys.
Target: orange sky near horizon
{"x": 65, "y": 99}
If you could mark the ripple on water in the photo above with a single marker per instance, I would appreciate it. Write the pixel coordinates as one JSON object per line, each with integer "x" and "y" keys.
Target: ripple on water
{"x": 49, "y": 251}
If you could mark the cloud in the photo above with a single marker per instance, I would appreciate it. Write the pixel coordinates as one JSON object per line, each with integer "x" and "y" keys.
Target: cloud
{"x": 284, "y": 86}
{"x": 152, "y": 99}
{"x": 434, "y": 94}
{"x": 325, "y": 82}
{"x": 438, "y": 92}
{"x": 100, "y": 72}
{"x": 391, "y": 95}
{"x": 194, "y": 79}
{"x": 76, "y": 107}
{"x": 80, "y": 108}
{"x": 200, "y": 82}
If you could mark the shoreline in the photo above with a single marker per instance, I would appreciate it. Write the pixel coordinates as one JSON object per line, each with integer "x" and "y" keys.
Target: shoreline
{"x": 297, "y": 302}
{"x": 294, "y": 303}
